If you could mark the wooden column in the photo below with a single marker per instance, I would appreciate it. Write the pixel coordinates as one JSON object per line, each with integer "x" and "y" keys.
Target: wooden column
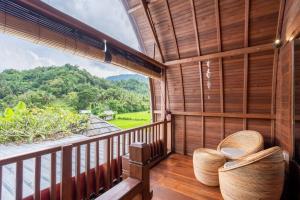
{"x": 66, "y": 180}
{"x": 139, "y": 156}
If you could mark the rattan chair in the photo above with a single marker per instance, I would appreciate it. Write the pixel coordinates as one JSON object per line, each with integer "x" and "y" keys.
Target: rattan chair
{"x": 206, "y": 163}
{"x": 258, "y": 176}
{"x": 241, "y": 144}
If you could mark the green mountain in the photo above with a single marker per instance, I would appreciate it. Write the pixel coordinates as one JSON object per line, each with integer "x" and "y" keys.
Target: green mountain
{"x": 125, "y": 77}
{"x": 72, "y": 87}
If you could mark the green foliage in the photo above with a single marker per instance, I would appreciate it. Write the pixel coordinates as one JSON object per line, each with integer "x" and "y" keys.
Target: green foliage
{"x": 77, "y": 88}
{"x": 131, "y": 120}
{"x": 20, "y": 124}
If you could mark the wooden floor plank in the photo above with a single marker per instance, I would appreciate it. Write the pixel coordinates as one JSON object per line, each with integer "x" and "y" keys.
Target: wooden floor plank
{"x": 174, "y": 179}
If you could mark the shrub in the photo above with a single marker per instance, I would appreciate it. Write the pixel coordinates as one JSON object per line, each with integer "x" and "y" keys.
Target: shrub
{"x": 20, "y": 124}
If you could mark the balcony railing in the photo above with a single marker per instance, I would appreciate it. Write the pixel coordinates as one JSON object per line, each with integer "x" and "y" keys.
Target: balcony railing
{"x": 84, "y": 168}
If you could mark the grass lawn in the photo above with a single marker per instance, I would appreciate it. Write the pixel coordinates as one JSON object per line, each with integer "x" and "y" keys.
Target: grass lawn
{"x": 131, "y": 120}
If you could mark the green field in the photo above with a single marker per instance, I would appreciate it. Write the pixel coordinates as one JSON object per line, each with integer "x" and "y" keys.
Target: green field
{"x": 131, "y": 120}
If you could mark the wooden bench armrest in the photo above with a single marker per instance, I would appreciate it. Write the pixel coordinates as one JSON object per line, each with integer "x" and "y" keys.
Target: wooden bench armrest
{"x": 125, "y": 190}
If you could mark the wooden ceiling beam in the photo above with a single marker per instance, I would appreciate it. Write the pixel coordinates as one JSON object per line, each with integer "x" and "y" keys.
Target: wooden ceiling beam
{"x": 152, "y": 26}
{"x": 135, "y": 8}
{"x": 218, "y": 25}
{"x": 195, "y": 24}
{"x": 235, "y": 52}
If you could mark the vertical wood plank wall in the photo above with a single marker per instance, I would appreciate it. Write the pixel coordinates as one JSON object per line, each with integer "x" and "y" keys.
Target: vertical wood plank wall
{"x": 235, "y": 90}
{"x": 284, "y": 134}
{"x": 247, "y": 91}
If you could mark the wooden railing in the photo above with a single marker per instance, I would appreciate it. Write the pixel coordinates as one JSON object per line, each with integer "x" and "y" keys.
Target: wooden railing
{"x": 76, "y": 163}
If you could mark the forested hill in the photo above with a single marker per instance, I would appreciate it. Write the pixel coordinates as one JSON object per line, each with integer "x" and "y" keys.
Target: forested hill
{"x": 70, "y": 86}
{"x": 128, "y": 77}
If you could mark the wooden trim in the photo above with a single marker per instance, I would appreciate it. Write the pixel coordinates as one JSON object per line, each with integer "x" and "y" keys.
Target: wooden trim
{"x": 125, "y": 190}
{"x": 195, "y": 24}
{"x": 246, "y": 62}
{"x": 77, "y": 179}
{"x": 200, "y": 68}
{"x": 245, "y": 90}
{"x": 172, "y": 27}
{"x": 275, "y": 68}
{"x": 152, "y": 26}
{"x": 229, "y": 115}
{"x": 66, "y": 175}
{"x": 37, "y": 177}
{"x": 219, "y": 41}
{"x": 246, "y": 30}
{"x": 19, "y": 180}
{"x": 217, "y": 12}
{"x": 235, "y": 52}
{"x": 53, "y": 177}
{"x": 134, "y": 8}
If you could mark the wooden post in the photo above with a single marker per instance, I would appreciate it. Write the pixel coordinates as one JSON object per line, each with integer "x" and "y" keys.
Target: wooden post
{"x": 139, "y": 156}
{"x": 66, "y": 177}
{"x": 165, "y": 139}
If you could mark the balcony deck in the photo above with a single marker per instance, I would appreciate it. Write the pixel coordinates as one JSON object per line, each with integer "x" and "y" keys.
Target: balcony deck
{"x": 174, "y": 179}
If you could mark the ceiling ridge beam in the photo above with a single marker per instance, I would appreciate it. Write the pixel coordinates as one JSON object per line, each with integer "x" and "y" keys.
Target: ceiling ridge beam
{"x": 234, "y": 52}
{"x": 152, "y": 26}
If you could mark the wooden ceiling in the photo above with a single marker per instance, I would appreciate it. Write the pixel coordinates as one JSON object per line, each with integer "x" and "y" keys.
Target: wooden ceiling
{"x": 181, "y": 29}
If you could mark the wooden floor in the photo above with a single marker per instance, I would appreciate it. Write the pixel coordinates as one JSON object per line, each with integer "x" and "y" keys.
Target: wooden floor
{"x": 174, "y": 179}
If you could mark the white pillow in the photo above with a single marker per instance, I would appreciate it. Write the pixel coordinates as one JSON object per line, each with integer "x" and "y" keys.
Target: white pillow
{"x": 232, "y": 152}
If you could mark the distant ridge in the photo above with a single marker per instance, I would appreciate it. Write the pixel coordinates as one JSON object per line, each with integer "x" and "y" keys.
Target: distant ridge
{"x": 127, "y": 77}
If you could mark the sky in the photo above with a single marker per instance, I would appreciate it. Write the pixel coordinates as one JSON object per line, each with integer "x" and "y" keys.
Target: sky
{"x": 107, "y": 16}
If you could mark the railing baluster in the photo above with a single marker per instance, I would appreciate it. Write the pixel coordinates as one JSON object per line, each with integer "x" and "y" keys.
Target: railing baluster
{"x": 159, "y": 139}
{"x": 118, "y": 159}
{"x": 0, "y": 181}
{"x": 134, "y": 132}
{"x": 78, "y": 173}
{"x": 142, "y": 134}
{"x": 19, "y": 180}
{"x": 53, "y": 176}
{"x": 138, "y": 136}
{"x": 97, "y": 171}
{"x": 124, "y": 143}
{"x": 87, "y": 169}
{"x": 66, "y": 175}
{"x": 37, "y": 176}
{"x": 108, "y": 164}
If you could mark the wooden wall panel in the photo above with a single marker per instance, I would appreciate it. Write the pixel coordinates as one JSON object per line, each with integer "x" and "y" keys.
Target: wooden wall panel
{"x": 179, "y": 134}
{"x": 233, "y": 125}
{"x": 233, "y": 69}
{"x": 263, "y": 21}
{"x": 205, "y": 14}
{"x": 297, "y": 100}
{"x": 182, "y": 14}
{"x": 192, "y": 90}
{"x": 157, "y": 94}
{"x": 175, "y": 89}
{"x": 232, "y": 24}
{"x": 159, "y": 16}
{"x": 262, "y": 126}
{"x": 194, "y": 135}
{"x": 211, "y": 96}
{"x": 260, "y": 82}
{"x": 291, "y": 22}
{"x": 283, "y": 134}
{"x": 220, "y": 26}
{"x": 213, "y": 134}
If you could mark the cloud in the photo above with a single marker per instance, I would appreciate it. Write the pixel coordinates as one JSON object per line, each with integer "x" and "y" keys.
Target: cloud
{"x": 108, "y": 16}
